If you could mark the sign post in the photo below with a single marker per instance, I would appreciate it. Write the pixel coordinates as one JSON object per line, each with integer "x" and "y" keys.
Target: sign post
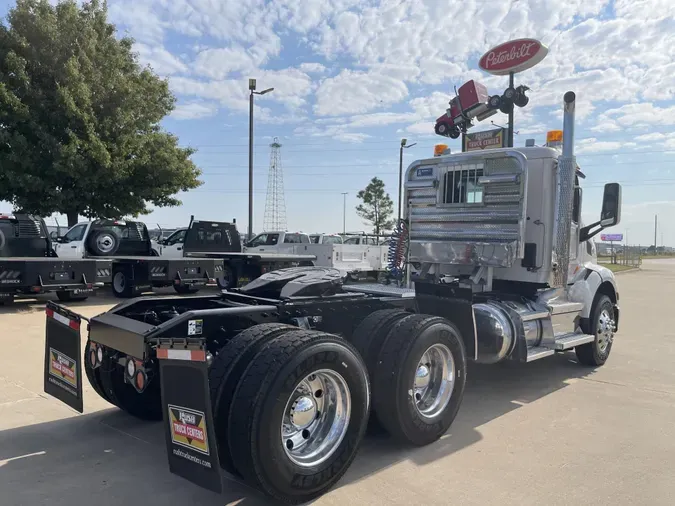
{"x": 510, "y": 58}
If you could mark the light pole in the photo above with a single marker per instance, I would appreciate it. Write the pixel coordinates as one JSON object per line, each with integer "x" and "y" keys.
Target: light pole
{"x": 400, "y": 173}
{"x": 344, "y": 213}
{"x": 251, "y": 87}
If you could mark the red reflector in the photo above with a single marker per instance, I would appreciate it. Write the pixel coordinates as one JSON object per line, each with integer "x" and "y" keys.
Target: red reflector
{"x": 36, "y": 289}
{"x": 176, "y": 281}
{"x": 50, "y": 313}
{"x": 89, "y": 285}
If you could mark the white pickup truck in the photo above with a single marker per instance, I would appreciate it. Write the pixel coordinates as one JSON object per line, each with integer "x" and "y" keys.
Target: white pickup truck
{"x": 359, "y": 259}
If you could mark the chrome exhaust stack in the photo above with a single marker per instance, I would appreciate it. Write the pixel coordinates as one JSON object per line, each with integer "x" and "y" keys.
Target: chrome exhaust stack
{"x": 567, "y": 165}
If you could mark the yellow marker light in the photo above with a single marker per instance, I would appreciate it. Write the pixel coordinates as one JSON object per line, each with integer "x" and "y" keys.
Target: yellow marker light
{"x": 439, "y": 149}
{"x": 554, "y": 136}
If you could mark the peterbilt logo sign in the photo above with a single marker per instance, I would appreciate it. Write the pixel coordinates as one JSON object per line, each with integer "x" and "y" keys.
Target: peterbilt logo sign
{"x": 513, "y": 56}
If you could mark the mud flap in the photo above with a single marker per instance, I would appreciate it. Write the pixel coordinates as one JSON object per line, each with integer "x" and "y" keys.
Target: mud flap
{"x": 188, "y": 419}
{"x": 63, "y": 357}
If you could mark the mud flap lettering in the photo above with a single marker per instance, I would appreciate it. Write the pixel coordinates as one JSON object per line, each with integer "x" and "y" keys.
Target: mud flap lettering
{"x": 63, "y": 366}
{"x": 188, "y": 420}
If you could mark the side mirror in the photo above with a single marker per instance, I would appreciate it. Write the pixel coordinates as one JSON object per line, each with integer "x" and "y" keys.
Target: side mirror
{"x": 611, "y": 205}
{"x": 53, "y": 235}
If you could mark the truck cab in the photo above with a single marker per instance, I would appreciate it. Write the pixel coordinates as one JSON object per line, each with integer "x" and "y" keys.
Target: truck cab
{"x": 102, "y": 238}
{"x": 172, "y": 246}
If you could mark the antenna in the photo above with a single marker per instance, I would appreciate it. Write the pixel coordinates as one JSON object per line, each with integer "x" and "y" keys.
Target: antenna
{"x": 275, "y": 204}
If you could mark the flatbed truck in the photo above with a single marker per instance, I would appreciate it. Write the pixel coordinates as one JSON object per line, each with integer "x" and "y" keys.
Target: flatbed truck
{"x": 29, "y": 266}
{"x": 134, "y": 267}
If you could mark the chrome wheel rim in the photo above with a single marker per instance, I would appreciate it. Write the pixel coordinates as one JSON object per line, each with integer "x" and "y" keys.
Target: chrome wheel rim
{"x": 119, "y": 282}
{"x": 105, "y": 243}
{"x": 434, "y": 380}
{"x": 316, "y": 418}
{"x": 605, "y": 330}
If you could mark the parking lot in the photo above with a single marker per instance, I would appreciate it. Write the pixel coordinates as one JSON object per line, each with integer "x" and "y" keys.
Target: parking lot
{"x": 551, "y": 432}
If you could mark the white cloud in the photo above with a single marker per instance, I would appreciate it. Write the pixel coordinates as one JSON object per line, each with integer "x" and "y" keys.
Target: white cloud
{"x": 194, "y": 110}
{"x": 161, "y": 60}
{"x": 640, "y": 113}
{"x": 218, "y": 63}
{"x": 357, "y": 92}
{"x": 312, "y": 68}
{"x": 593, "y": 145}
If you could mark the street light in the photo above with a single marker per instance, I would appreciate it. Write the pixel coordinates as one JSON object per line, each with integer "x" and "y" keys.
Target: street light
{"x": 251, "y": 87}
{"x": 404, "y": 144}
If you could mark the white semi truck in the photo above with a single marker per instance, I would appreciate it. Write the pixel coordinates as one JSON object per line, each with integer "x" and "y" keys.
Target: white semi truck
{"x": 275, "y": 381}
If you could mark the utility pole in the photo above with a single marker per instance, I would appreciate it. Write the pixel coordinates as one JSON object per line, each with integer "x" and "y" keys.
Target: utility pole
{"x": 344, "y": 213}
{"x": 656, "y": 217}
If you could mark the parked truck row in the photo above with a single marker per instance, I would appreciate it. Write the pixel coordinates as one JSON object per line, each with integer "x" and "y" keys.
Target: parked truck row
{"x": 275, "y": 381}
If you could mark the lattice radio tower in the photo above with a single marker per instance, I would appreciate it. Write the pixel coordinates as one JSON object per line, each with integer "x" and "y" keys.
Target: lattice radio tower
{"x": 275, "y": 204}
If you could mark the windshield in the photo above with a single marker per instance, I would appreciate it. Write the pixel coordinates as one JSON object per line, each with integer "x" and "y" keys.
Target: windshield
{"x": 76, "y": 233}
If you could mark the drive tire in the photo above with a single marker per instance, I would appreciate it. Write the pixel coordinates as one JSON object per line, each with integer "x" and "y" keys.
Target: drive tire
{"x": 103, "y": 243}
{"x": 225, "y": 372}
{"x": 69, "y": 297}
{"x": 262, "y": 398}
{"x": 121, "y": 284}
{"x": 592, "y": 354}
{"x": 368, "y": 338}
{"x": 185, "y": 289}
{"x": 395, "y": 374}
{"x": 145, "y": 406}
{"x": 93, "y": 375}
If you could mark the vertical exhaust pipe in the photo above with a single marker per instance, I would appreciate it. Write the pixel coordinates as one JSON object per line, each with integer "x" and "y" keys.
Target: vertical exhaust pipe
{"x": 567, "y": 166}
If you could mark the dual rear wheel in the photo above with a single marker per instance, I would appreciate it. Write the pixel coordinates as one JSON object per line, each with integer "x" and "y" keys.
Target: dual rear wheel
{"x": 291, "y": 406}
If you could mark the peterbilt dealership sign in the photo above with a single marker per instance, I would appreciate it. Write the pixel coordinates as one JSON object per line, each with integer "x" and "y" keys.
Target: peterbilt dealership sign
{"x": 513, "y": 56}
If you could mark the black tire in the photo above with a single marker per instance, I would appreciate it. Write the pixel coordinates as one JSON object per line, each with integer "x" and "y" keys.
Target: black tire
{"x": 103, "y": 243}
{"x": 441, "y": 129}
{"x": 69, "y": 297}
{"x": 145, "y": 406}
{"x": 121, "y": 285}
{"x": 260, "y": 401}
{"x": 228, "y": 279}
{"x": 225, "y": 372}
{"x": 593, "y": 354}
{"x": 367, "y": 338}
{"x": 371, "y": 333}
{"x": 494, "y": 101}
{"x": 510, "y": 94}
{"x": 454, "y": 133}
{"x": 395, "y": 373}
{"x": 185, "y": 289}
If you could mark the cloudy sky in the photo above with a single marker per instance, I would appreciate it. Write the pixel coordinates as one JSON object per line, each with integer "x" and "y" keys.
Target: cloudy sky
{"x": 353, "y": 77}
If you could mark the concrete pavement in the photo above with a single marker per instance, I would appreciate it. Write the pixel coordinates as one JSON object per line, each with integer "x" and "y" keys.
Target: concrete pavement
{"x": 550, "y": 432}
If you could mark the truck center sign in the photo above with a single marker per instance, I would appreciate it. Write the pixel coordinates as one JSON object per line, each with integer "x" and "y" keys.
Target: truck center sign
{"x": 484, "y": 140}
{"x": 513, "y": 56}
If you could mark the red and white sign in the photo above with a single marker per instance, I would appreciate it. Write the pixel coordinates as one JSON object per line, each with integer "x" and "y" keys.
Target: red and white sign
{"x": 513, "y": 56}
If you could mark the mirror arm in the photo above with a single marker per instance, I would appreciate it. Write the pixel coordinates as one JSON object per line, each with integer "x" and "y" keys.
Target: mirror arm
{"x": 586, "y": 233}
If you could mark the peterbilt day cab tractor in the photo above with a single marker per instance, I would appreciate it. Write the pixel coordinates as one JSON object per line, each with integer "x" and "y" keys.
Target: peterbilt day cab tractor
{"x": 275, "y": 382}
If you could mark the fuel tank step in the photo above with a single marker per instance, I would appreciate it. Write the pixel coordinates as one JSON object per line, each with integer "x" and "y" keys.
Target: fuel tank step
{"x": 537, "y": 352}
{"x": 534, "y": 315}
{"x": 572, "y": 339}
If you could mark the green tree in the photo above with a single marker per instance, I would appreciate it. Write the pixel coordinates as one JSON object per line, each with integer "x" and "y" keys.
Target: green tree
{"x": 79, "y": 118}
{"x": 377, "y": 208}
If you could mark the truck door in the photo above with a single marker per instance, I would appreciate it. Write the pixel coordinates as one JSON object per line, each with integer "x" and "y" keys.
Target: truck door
{"x": 263, "y": 242}
{"x": 173, "y": 245}
{"x": 71, "y": 244}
